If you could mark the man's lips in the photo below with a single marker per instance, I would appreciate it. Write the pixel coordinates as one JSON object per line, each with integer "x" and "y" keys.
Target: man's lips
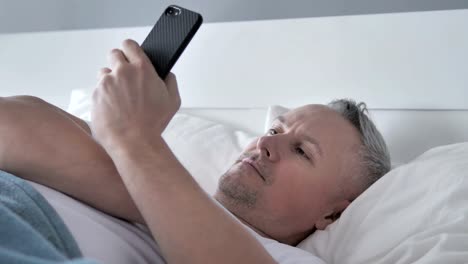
{"x": 252, "y": 164}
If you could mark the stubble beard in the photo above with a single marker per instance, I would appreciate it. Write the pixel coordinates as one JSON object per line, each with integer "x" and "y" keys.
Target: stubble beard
{"x": 237, "y": 193}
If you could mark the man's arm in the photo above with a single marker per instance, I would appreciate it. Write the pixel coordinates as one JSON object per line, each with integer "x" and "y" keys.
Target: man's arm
{"x": 44, "y": 144}
{"x": 188, "y": 225}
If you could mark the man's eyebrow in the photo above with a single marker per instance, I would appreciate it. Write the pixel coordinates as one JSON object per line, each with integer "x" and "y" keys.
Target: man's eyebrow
{"x": 312, "y": 140}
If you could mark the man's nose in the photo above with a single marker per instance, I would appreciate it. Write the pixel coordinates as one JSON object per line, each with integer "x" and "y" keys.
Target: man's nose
{"x": 268, "y": 148}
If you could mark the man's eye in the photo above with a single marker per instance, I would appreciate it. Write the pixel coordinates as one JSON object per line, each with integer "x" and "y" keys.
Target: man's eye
{"x": 301, "y": 152}
{"x": 272, "y": 131}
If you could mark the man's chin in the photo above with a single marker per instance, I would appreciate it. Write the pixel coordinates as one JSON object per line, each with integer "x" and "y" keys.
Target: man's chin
{"x": 231, "y": 190}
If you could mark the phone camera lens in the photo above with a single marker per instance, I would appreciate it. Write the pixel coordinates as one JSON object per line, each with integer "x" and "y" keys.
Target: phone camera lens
{"x": 172, "y": 11}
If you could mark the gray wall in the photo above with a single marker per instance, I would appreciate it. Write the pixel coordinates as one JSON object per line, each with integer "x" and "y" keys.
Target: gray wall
{"x": 47, "y": 15}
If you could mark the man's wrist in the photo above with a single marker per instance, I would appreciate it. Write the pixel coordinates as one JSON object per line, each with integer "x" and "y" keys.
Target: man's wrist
{"x": 132, "y": 144}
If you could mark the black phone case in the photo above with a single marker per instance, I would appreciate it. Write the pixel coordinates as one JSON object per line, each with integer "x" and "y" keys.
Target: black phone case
{"x": 169, "y": 37}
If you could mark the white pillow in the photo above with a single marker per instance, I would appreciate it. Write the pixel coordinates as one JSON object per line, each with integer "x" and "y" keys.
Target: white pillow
{"x": 205, "y": 148}
{"x": 418, "y": 212}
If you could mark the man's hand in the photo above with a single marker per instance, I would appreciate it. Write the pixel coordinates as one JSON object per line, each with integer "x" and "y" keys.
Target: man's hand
{"x": 131, "y": 101}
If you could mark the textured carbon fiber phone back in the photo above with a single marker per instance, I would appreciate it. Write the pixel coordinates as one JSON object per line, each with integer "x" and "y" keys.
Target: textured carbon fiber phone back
{"x": 169, "y": 37}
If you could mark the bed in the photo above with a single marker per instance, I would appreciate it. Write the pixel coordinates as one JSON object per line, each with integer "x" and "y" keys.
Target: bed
{"x": 410, "y": 69}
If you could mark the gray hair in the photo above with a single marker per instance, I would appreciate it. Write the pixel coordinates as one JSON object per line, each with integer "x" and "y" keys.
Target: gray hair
{"x": 374, "y": 156}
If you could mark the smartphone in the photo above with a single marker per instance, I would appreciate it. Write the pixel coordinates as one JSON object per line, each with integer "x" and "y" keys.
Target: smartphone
{"x": 170, "y": 36}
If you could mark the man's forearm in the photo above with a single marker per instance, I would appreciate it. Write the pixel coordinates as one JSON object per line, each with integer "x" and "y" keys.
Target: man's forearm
{"x": 188, "y": 225}
{"x": 42, "y": 145}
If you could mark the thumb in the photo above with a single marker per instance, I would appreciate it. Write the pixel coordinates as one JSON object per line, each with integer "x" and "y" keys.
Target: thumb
{"x": 172, "y": 88}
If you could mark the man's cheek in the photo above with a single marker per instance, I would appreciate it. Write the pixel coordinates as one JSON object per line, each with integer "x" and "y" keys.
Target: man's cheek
{"x": 279, "y": 199}
{"x": 288, "y": 179}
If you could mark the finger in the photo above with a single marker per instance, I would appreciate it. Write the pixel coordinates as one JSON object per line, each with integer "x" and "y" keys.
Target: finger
{"x": 172, "y": 87}
{"x": 117, "y": 57}
{"x": 103, "y": 71}
{"x": 134, "y": 52}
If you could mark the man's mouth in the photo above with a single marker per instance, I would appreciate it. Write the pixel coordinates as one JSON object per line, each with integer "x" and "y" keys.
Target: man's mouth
{"x": 252, "y": 164}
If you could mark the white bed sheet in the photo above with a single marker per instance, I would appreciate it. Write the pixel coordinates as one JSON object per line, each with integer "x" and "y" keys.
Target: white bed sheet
{"x": 102, "y": 237}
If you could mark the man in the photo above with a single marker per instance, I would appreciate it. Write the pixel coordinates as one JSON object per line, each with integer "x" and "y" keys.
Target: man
{"x": 298, "y": 178}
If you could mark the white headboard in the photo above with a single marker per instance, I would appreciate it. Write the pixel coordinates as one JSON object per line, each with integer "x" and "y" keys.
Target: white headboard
{"x": 410, "y": 69}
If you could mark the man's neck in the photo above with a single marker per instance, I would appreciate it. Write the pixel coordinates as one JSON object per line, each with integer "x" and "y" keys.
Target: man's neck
{"x": 290, "y": 240}
{"x": 243, "y": 221}
{"x": 256, "y": 230}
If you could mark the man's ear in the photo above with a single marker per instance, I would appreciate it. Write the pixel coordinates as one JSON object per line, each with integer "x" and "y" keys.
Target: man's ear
{"x": 329, "y": 218}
